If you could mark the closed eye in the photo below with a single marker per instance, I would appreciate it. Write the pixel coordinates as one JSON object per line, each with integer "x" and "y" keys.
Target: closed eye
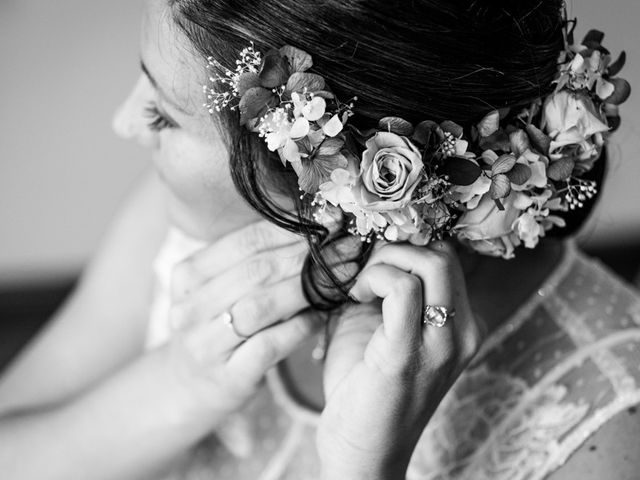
{"x": 157, "y": 120}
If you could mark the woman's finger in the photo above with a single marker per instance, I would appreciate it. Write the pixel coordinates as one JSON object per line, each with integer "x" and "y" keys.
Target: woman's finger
{"x": 266, "y": 348}
{"x": 443, "y": 282}
{"x": 252, "y": 314}
{"x": 220, "y": 293}
{"x": 272, "y": 304}
{"x": 228, "y": 251}
{"x": 401, "y": 295}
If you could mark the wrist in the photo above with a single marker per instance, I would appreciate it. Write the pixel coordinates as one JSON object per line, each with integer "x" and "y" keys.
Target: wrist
{"x": 183, "y": 393}
{"x": 387, "y": 471}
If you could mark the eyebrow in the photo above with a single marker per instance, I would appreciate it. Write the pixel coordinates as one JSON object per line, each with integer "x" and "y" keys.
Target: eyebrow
{"x": 166, "y": 97}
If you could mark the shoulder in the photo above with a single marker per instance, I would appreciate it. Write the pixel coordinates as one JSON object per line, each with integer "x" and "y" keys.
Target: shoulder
{"x": 610, "y": 453}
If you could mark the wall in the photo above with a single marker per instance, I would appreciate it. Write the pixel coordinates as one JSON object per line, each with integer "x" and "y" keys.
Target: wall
{"x": 65, "y": 66}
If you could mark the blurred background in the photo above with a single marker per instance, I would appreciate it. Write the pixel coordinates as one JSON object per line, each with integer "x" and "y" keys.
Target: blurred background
{"x": 66, "y": 65}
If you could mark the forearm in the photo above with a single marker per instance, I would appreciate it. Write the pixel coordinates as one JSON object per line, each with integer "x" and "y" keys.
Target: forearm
{"x": 127, "y": 427}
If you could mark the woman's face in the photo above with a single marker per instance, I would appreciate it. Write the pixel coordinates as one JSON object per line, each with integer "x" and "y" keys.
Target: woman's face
{"x": 165, "y": 112}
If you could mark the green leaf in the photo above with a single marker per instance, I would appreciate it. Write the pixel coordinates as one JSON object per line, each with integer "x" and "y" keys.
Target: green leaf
{"x": 500, "y": 187}
{"x": 246, "y": 81}
{"x": 274, "y": 71}
{"x": 620, "y": 93}
{"x": 298, "y": 81}
{"x": 593, "y": 38}
{"x": 254, "y": 103}
{"x": 560, "y": 169}
{"x": 503, "y": 164}
{"x": 452, "y": 127}
{"x": 423, "y": 133}
{"x": 396, "y": 125}
{"x": 299, "y": 60}
{"x": 539, "y": 139}
{"x": 330, "y": 146}
{"x": 460, "y": 171}
{"x": 519, "y": 174}
{"x": 615, "y": 67}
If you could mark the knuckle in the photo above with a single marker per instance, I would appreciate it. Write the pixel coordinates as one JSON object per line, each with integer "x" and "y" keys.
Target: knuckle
{"x": 253, "y": 312}
{"x": 267, "y": 349}
{"x": 256, "y": 239}
{"x": 181, "y": 315}
{"x": 439, "y": 261}
{"x": 183, "y": 278}
{"x": 260, "y": 269}
{"x": 407, "y": 285}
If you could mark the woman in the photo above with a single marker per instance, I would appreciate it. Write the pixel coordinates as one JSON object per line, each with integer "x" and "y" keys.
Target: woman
{"x": 88, "y": 400}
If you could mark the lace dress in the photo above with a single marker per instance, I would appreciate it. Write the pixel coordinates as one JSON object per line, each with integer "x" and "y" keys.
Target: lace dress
{"x": 566, "y": 362}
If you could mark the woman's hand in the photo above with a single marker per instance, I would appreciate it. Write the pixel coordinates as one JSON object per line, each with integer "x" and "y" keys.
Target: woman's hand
{"x": 387, "y": 372}
{"x": 252, "y": 279}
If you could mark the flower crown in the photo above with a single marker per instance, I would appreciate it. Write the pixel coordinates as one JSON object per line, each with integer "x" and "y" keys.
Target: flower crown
{"x": 499, "y": 184}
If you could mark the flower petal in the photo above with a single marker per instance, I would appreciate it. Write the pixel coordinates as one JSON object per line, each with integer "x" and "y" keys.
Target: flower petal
{"x": 621, "y": 92}
{"x": 500, "y": 187}
{"x": 254, "y": 103}
{"x": 604, "y": 89}
{"x": 539, "y": 139}
{"x": 300, "y": 128}
{"x": 274, "y": 71}
{"x": 461, "y": 171}
{"x": 560, "y": 169}
{"x": 489, "y": 124}
{"x": 331, "y": 146}
{"x": 503, "y": 164}
{"x": 246, "y": 81}
{"x": 299, "y": 60}
{"x": 519, "y": 174}
{"x": 319, "y": 170}
{"x": 299, "y": 81}
{"x": 314, "y": 110}
{"x": 333, "y": 127}
{"x": 396, "y": 125}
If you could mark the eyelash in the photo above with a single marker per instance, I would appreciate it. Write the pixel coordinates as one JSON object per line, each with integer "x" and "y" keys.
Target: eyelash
{"x": 158, "y": 121}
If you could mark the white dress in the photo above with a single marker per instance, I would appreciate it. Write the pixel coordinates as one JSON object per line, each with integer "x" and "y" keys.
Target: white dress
{"x": 565, "y": 363}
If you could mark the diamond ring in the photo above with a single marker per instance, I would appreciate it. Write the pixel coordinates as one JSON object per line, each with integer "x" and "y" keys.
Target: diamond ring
{"x": 227, "y": 318}
{"x": 437, "y": 315}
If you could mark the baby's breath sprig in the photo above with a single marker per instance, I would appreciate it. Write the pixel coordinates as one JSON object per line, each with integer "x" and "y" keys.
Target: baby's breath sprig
{"x": 578, "y": 191}
{"x": 249, "y": 61}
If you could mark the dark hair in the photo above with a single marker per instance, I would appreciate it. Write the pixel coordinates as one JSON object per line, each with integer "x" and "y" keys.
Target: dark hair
{"x": 424, "y": 59}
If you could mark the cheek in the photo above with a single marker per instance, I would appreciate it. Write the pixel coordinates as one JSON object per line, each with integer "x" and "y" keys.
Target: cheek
{"x": 197, "y": 173}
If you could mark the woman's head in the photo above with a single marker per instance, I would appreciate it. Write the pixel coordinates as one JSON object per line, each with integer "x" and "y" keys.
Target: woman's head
{"x": 164, "y": 113}
{"x": 452, "y": 60}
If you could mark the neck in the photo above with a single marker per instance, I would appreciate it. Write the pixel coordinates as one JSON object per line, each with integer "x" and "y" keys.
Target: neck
{"x": 210, "y": 224}
{"x": 497, "y": 287}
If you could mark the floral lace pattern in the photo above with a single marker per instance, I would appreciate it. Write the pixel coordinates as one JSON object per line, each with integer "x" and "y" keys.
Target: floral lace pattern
{"x": 561, "y": 367}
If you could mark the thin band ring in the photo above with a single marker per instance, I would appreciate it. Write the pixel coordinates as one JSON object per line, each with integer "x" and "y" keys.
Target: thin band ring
{"x": 227, "y": 318}
{"x": 437, "y": 315}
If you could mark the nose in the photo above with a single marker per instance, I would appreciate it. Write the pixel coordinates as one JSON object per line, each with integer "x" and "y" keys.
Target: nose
{"x": 129, "y": 120}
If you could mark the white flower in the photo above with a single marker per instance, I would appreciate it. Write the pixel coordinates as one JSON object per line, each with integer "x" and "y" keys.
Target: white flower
{"x": 570, "y": 119}
{"x": 391, "y": 169}
{"x": 489, "y": 230}
{"x": 538, "y": 165}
